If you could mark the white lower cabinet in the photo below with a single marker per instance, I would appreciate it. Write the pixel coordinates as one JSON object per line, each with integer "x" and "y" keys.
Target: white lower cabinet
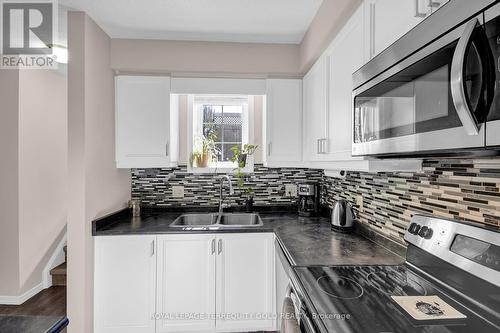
{"x": 184, "y": 283}
{"x": 245, "y": 282}
{"x": 124, "y": 284}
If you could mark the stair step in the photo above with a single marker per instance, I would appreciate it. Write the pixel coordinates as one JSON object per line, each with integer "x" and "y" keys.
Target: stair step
{"x": 59, "y": 275}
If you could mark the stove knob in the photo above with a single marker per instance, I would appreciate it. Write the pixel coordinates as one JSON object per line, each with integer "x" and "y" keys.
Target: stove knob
{"x": 416, "y": 229}
{"x": 425, "y": 232}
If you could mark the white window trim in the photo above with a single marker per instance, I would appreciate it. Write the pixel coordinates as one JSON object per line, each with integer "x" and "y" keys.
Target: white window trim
{"x": 222, "y": 167}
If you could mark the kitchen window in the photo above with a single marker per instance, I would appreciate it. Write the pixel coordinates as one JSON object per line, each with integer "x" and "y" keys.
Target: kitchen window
{"x": 219, "y": 124}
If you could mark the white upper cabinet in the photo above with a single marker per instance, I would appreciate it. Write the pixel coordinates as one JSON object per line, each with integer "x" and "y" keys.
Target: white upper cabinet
{"x": 124, "y": 284}
{"x": 388, "y": 20}
{"x": 146, "y": 125}
{"x": 315, "y": 101}
{"x": 345, "y": 56}
{"x": 282, "y": 123}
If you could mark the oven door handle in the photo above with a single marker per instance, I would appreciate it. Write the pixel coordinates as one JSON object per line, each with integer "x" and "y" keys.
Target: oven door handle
{"x": 469, "y": 121}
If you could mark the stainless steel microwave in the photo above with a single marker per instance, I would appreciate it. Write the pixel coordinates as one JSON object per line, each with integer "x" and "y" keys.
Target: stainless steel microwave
{"x": 434, "y": 92}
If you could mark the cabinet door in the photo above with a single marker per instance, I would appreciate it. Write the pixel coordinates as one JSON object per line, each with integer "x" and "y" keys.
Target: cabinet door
{"x": 245, "y": 282}
{"x": 124, "y": 284}
{"x": 142, "y": 121}
{"x": 391, "y": 19}
{"x": 283, "y": 122}
{"x": 345, "y": 56}
{"x": 186, "y": 283}
{"x": 315, "y": 87}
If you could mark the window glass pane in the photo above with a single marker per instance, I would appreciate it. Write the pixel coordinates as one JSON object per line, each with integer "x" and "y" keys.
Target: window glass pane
{"x": 227, "y": 152}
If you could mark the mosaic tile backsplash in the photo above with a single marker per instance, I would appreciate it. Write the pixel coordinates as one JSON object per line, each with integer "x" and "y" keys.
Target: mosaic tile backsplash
{"x": 154, "y": 186}
{"x": 457, "y": 189}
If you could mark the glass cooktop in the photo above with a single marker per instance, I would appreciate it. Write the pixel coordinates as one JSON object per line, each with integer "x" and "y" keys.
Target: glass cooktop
{"x": 358, "y": 299}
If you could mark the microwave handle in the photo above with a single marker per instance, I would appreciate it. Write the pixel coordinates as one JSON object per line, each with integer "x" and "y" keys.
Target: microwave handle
{"x": 457, "y": 85}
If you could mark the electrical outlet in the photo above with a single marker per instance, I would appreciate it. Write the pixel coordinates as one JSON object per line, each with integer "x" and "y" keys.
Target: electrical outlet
{"x": 290, "y": 190}
{"x": 359, "y": 202}
{"x": 178, "y": 191}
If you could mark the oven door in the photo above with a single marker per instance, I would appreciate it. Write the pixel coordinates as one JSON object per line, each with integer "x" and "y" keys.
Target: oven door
{"x": 435, "y": 100}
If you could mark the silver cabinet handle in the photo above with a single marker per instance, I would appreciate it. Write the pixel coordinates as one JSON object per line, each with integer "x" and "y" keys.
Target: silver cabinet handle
{"x": 167, "y": 150}
{"x": 457, "y": 84}
{"x": 318, "y": 148}
{"x": 219, "y": 247}
{"x": 269, "y": 147}
{"x": 213, "y": 246}
{"x": 153, "y": 248}
{"x": 417, "y": 10}
{"x": 434, "y": 4}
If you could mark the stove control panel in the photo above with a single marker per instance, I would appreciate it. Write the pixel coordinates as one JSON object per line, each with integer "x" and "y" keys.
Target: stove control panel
{"x": 469, "y": 246}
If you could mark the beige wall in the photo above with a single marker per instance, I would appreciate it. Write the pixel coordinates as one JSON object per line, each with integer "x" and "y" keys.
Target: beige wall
{"x": 210, "y": 58}
{"x": 9, "y": 189}
{"x": 42, "y": 169}
{"x": 329, "y": 20}
{"x": 96, "y": 186}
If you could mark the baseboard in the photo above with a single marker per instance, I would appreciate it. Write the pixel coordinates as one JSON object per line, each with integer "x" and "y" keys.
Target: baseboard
{"x": 18, "y": 300}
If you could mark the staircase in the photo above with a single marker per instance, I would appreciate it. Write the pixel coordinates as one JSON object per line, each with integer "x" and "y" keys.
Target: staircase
{"x": 59, "y": 273}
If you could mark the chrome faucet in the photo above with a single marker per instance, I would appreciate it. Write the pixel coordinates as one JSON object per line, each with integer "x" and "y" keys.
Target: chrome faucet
{"x": 221, "y": 196}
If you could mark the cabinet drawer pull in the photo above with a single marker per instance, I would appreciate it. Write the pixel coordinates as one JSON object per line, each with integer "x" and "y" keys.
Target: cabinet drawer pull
{"x": 213, "y": 246}
{"x": 220, "y": 247}
{"x": 269, "y": 147}
{"x": 167, "y": 149}
{"x": 152, "y": 248}
{"x": 417, "y": 9}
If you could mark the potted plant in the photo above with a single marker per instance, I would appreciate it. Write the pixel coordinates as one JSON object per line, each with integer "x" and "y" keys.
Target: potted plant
{"x": 240, "y": 158}
{"x": 207, "y": 150}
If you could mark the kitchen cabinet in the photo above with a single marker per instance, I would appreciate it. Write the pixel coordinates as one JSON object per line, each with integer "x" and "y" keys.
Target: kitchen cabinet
{"x": 282, "y": 123}
{"x": 124, "y": 284}
{"x": 146, "y": 124}
{"x": 388, "y": 20}
{"x": 219, "y": 276}
{"x": 186, "y": 282}
{"x": 345, "y": 56}
{"x": 245, "y": 282}
{"x": 315, "y": 109}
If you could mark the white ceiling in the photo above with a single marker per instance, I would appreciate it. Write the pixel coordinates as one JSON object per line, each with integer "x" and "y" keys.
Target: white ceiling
{"x": 263, "y": 21}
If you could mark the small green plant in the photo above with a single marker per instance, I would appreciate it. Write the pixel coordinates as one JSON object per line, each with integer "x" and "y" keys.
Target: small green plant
{"x": 240, "y": 158}
{"x": 206, "y": 150}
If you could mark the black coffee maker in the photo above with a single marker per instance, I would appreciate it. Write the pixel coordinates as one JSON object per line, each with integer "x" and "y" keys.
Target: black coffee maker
{"x": 308, "y": 199}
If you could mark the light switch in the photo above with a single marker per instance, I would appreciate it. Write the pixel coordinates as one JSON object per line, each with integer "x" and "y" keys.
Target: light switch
{"x": 290, "y": 190}
{"x": 178, "y": 191}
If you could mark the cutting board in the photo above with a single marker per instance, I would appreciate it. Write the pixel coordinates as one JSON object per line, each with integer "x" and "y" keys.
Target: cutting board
{"x": 427, "y": 308}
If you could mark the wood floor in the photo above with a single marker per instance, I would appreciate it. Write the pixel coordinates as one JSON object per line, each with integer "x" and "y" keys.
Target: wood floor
{"x": 48, "y": 302}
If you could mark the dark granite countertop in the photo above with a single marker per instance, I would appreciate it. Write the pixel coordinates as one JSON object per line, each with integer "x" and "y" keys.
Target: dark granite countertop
{"x": 32, "y": 324}
{"x": 305, "y": 241}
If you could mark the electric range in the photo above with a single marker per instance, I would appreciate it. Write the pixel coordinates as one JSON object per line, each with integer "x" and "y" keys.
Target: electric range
{"x": 459, "y": 263}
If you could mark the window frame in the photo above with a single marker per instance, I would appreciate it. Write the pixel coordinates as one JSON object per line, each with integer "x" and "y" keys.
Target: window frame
{"x": 195, "y": 128}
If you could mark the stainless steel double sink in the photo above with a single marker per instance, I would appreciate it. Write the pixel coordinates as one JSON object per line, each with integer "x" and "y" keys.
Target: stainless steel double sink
{"x": 217, "y": 221}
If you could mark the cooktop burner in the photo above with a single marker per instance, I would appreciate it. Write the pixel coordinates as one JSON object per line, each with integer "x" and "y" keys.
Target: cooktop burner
{"x": 396, "y": 284}
{"x": 339, "y": 287}
{"x": 357, "y": 299}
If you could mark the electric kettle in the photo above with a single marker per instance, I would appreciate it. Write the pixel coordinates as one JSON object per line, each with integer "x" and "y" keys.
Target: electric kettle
{"x": 343, "y": 216}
